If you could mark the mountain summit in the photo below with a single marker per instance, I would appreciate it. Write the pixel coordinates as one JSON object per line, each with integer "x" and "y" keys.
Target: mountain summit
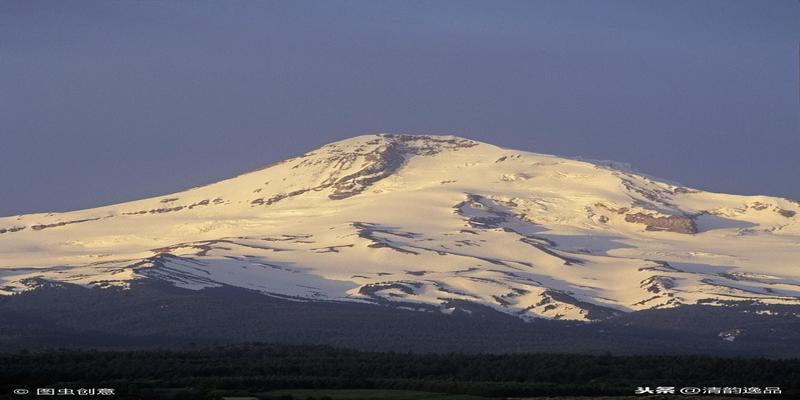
{"x": 429, "y": 221}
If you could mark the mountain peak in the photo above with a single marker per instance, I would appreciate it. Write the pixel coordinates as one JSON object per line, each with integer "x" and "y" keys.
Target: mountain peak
{"x": 386, "y": 137}
{"x": 400, "y": 143}
{"x": 350, "y": 166}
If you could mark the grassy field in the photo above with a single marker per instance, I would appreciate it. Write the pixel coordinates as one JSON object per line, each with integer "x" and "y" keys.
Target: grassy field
{"x": 364, "y": 394}
{"x": 378, "y": 394}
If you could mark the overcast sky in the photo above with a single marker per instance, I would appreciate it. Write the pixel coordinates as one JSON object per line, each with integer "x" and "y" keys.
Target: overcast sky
{"x": 108, "y": 101}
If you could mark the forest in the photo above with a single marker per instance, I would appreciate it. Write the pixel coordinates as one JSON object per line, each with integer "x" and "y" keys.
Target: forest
{"x": 254, "y": 369}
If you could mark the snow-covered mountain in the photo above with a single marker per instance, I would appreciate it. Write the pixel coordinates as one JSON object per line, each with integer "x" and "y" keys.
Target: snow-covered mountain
{"x": 433, "y": 220}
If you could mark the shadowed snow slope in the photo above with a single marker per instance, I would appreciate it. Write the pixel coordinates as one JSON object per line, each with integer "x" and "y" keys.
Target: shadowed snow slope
{"x": 430, "y": 220}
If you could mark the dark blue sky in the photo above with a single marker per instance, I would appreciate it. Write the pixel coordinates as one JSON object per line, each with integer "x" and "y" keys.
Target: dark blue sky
{"x": 107, "y": 101}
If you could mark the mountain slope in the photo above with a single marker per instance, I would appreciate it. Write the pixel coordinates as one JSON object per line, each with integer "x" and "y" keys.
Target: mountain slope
{"x": 430, "y": 220}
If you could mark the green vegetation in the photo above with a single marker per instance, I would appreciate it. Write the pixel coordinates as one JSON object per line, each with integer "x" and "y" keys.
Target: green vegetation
{"x": 372, "y": 394}
{"x": 363, "y": 394}
{"x": 239, "y": 370}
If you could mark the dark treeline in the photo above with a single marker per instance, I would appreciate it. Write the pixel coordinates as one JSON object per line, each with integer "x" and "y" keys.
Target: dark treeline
{"x": 207, "y": 373}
